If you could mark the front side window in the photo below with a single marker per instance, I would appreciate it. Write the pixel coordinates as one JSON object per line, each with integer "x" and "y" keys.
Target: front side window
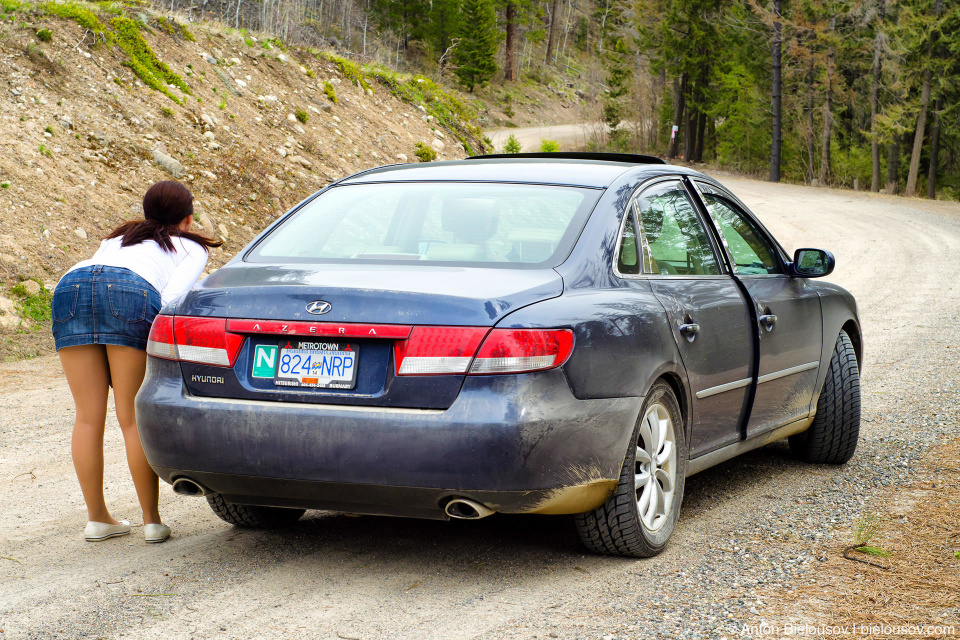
{"x": 751, "y": 253}
{"x": 675, "y": 238}
{"x": 495, "y": 225}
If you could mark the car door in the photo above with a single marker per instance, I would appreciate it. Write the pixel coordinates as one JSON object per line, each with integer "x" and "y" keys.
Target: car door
{"x": 787, "y": 309}
{"x": 705, "y": 306}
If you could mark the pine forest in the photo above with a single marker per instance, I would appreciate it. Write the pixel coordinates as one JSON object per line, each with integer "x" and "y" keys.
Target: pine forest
{"x": 851, "y": 93}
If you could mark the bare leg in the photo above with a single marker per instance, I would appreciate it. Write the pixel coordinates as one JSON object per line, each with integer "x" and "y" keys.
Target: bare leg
{"x": 88, "y": 376}
{"x": 127, "y": 367}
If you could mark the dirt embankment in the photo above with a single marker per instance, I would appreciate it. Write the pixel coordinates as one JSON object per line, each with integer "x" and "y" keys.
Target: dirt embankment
{"x": 82, "y": 137}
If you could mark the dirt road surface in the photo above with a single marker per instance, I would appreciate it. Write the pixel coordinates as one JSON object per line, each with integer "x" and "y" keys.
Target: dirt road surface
{"x": 750, "y": 529}
{"x": 571, "y": 137}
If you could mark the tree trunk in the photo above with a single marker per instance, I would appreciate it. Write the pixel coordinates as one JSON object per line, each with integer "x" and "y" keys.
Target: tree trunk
{"x": 777, "y": 70}
{"x": 827, "y": 117}
{"x": 810, "y": 145}
{"x": 553, "y": 31}
{"x": 893, "y": 165}
{"x": 508, "y": 71}
{"x": 701, "y": 129}
{"x": 679, "y": 89}
{"x": 874, "y": 104}
{"x": 690, "y": 128}
{"x": 911, "y": 189}
{"x": 934, "y": 152}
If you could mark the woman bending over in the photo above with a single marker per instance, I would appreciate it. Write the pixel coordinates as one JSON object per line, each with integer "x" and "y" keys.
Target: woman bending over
{"x": 102, "y": 311}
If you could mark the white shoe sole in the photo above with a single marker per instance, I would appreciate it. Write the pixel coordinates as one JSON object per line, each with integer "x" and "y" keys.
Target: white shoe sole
{"x": 99, "y": 531}
{"x": 155, "y": 539}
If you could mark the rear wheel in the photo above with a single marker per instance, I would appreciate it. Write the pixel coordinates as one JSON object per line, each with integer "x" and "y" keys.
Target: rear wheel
{"x": 639, "y": 517}
{"x": 252, "y": 516}
{"x": 832, "y": 438}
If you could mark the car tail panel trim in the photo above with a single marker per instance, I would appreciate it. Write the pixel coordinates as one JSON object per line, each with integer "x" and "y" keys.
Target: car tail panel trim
{"x": 338, "y": 329}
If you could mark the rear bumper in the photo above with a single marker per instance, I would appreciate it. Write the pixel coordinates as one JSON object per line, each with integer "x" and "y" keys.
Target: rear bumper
{"x": 517, "y": 443}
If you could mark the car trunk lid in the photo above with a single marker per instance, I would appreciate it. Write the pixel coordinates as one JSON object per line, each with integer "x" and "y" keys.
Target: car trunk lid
{"x": 360, "y": 312}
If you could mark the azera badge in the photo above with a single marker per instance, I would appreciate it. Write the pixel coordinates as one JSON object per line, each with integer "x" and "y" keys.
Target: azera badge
{"x": 319, "y": 307}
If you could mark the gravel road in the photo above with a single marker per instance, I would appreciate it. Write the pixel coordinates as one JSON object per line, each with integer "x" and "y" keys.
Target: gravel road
{"x": 569, "y": 136}
{"x": 749, "y": 531}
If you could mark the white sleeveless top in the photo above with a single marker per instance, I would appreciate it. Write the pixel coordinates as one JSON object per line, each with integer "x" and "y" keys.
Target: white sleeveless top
{"x": 172, "y": 273}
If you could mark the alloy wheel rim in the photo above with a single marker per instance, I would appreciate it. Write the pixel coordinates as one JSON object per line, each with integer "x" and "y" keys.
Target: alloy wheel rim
{"x": 656, "y": 467}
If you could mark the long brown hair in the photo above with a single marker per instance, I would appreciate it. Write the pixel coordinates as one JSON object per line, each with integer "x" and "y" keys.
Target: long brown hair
{"x": 165, "y": 205}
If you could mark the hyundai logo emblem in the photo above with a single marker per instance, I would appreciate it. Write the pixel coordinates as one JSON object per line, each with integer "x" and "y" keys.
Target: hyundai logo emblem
{"x": 319, "y": 307}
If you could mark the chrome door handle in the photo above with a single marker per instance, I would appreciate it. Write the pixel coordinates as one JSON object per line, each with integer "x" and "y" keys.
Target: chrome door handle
{"x": 689, "y": 329}
{"x": 768, "y": 321}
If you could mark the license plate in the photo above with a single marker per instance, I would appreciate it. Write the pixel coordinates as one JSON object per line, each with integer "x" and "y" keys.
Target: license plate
{"x": 317, "y": 365}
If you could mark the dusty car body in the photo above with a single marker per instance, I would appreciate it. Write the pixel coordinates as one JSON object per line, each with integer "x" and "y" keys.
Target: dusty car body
{"x": 537, "y": 367}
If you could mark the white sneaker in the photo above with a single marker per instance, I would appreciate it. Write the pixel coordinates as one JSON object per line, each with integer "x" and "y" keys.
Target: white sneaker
{"x": 97, "y": 531}
{"x": 155, "y": 532}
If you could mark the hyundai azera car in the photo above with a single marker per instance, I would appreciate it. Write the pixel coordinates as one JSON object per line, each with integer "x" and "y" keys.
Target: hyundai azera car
{"x": 526, "y": 334}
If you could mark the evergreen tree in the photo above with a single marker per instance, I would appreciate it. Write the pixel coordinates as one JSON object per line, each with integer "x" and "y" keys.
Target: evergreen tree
{"x": 512, "y": 145}
{"x": 444, "y": 24}
{"x": 476, "y": 55}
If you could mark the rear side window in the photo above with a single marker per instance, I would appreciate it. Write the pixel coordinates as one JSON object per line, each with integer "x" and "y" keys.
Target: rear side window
{"x": 673, "y": 234}
{"x": 628, "y": 259}
{"x": 496, "y": 225}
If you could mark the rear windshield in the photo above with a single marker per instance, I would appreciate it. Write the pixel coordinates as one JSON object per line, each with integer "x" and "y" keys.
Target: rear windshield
{"x": 493, "y": 225}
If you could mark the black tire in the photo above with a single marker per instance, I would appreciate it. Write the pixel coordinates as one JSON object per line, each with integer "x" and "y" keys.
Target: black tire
{"x": 832, "y": 438}
{"x": 252, "y": 516}
{"x": 616, "y": 527}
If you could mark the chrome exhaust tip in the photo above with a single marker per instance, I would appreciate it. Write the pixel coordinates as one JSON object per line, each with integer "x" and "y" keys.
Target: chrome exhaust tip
{"x": 466, "y": 509}
{"x": 188, "y": 487}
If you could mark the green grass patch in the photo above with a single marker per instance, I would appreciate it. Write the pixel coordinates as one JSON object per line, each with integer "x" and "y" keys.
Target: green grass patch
{"x": 351, "y": 70}
{"x": 330, "y": 91}
{"x": 44, "y": 35}
{"x": 302, "y": 116}
{"x": 34, "y": 307}
{"x": 425, "y": 153}
{"x": 81, "y": 15}
{"x": 143, "y": 61}
{"x": 174, "y": 28}
{"x": 44, "y": 150}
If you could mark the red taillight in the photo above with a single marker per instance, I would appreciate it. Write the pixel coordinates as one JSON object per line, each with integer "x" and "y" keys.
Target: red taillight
{"x": 437, "y": 350}
{"x": 522, "y": 350}
{"x": 160, "y": 343}
{"x": 202, "y": 340}
{"x": 206, "y": 340}
{"x": 451, "y": 350}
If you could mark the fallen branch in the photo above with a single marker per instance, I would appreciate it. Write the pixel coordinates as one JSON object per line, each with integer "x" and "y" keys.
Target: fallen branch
{"x": 855, "y": 547}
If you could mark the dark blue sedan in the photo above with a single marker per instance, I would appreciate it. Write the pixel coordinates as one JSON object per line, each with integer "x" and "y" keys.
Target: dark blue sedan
{"x": 559, "y": 334}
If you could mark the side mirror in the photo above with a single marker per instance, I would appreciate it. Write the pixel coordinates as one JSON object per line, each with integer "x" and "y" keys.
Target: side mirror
{"x": 813, "y": 263}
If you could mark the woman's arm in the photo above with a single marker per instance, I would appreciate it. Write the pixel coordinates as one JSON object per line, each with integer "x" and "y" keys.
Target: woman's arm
{"x": 187, "y": 272}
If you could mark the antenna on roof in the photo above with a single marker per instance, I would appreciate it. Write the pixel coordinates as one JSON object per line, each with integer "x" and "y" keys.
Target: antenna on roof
{"x": 632, "y": 158}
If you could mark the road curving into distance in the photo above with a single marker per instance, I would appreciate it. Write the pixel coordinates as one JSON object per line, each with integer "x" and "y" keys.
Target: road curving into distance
{"x": 752, "y": 524}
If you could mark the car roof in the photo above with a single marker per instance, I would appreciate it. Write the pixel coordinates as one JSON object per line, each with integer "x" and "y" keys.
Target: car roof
{"x": 595, "y": 174}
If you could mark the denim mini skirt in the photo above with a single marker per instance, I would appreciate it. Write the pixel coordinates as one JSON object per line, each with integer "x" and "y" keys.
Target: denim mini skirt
{"x": 103, "y": 305}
